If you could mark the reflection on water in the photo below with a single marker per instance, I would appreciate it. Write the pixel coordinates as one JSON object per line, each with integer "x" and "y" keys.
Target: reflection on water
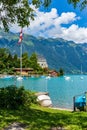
{"x": 61, "y": 89}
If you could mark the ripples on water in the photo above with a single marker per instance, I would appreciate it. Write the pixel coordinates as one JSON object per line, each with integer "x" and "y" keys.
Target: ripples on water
{"x": 61, "y": 89}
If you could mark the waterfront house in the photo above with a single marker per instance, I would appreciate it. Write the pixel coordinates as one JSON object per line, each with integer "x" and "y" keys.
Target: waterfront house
{"x": 53, "y": 73}
{"x": 25, "y": 71}
{"x": 42, "y": 61}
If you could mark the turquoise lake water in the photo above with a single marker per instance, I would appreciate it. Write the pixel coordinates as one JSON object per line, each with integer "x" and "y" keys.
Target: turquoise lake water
{"x": 61, "y": 89}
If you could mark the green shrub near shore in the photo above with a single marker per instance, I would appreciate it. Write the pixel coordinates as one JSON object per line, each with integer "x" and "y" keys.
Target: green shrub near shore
{"x": 12, "y": 97}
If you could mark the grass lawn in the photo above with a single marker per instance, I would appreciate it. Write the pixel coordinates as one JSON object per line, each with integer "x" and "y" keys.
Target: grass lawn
{"x": 39, "y": 118}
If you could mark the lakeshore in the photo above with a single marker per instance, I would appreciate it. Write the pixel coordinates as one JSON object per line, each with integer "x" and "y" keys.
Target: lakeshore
{"x": 62, "y": 109}
{"x": 61, "y": 89}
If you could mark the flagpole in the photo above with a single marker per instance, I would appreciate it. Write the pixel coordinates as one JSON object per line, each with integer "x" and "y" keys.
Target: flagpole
{"x": 21, "y": 59}
{"x": 20, "y": 42}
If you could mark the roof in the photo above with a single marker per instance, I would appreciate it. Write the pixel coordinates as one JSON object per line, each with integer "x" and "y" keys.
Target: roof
{"x": 24, "y": 69}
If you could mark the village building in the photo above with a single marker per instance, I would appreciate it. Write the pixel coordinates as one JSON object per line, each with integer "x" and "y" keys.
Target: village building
{"x": 25, "y": 71}
{"x": 53, "y": 73}
{"x": 42, "y": 61}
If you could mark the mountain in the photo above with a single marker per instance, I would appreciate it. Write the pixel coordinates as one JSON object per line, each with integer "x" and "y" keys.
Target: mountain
{"x": 59, "y": 53}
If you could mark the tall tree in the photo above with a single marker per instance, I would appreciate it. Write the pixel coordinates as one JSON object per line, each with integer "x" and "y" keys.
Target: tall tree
{"x": 9, "y": 62}
{"x": 19, "y": 11}
{"x": 16, "y": 61}
{"x": 61, "y": 72}
{"x": 3, "y": 57}
{"x": 33, "y": 62}
{"x": 25, "y": 59}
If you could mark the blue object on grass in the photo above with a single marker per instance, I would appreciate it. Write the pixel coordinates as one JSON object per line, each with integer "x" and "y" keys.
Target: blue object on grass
{"x": 80, "y": 101}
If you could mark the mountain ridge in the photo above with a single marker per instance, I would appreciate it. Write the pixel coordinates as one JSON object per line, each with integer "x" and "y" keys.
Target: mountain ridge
{"x": 58, "y": 52}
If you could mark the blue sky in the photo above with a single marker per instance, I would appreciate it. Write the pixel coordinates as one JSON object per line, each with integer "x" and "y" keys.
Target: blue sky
{"x": 60, "y": 20}
{"x": 64, "y": 6}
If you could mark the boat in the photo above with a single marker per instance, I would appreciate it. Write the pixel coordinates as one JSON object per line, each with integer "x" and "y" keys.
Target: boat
{"x": 6, "y": 77}
{"x": 19, "y": 78}
{"x": 42, "y": 76}
{"x": 48, "y": 77}
{"x": 44, "y": 100}
{"x": 81, "y": 77}
{"x": 32, "y": 76}
{"x": 67, "y": 77}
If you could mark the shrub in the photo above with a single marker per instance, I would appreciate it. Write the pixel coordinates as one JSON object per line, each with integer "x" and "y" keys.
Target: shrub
{"x": 12, "y": 97}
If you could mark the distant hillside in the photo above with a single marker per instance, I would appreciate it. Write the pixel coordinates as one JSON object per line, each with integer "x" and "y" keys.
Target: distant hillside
{"x": 58, "y": 52}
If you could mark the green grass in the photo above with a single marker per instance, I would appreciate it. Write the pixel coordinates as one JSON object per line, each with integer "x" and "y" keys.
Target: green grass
{"x": 39, "y": 118}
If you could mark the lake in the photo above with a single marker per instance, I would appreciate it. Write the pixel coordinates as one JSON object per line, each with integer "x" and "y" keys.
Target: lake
{"x": 61, "y": 89}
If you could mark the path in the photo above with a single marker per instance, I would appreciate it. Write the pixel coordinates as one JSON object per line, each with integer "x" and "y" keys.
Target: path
{"x": 16, "y": 126}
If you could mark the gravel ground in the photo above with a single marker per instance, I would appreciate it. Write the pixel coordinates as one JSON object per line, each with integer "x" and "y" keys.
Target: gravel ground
{"x": 16, "y": 126}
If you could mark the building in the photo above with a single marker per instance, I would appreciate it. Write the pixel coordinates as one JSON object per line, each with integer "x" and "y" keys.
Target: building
{"x": 53, "y": 73}
{"x": 25, "y": 71}
{"x": 42, "y": 62}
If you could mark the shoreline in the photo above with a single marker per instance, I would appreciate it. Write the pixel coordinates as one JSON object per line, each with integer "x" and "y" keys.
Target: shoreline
{"x": 64, "y": 109}
{"x": 46, "y": 93}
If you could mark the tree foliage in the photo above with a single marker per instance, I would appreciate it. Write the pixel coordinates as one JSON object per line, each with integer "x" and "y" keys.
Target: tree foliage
{"x": 19, "y": 11}
{"x": 12, "y": 97}
{"x": 33, "y": 61}
{"x": 61, "y": 72}
{"x": 25, "y": 59}
{"x": 82, "y": 3}
{"x": 9, "y": 62}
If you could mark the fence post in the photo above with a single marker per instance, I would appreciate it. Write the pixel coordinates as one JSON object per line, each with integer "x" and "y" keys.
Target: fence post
{"x": 74, "y": 108}
{"x": 86, "y": 101}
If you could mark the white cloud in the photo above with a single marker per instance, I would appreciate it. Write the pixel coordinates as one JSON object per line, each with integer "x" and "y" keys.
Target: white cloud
{"x": 76, "y": 33}
{"x": 50, "y": 24}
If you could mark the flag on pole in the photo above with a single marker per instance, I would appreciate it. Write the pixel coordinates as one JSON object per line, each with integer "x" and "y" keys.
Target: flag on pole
{"x": 21, "y": 37}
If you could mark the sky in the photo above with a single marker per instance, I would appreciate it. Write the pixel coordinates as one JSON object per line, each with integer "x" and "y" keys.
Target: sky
{"x": 59, "y": 20}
